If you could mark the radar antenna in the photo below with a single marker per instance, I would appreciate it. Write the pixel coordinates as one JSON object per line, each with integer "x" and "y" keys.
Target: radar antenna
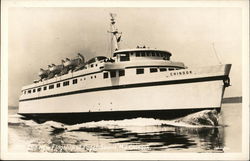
{"x": 115, "y": 35}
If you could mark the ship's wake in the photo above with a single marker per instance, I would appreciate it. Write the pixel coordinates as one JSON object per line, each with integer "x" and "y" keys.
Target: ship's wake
{"x": 205, "y": 118}
{"x": 138, "y": 134}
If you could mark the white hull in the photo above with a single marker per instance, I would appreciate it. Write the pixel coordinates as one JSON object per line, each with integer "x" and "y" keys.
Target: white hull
{"x": 166, "y": 94}
{"x": 207, "y": 94}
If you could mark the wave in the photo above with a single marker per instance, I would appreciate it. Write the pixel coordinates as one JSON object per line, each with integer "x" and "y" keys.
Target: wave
{"x": 148, "y": 133}
{"x": 205, "y": 118}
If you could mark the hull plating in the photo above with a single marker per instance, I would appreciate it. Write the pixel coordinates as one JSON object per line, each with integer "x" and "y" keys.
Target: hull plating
{"x": 162, "y": 97}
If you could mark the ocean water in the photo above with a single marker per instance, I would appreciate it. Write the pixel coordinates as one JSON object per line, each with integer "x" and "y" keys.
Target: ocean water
{"x": 205, "y": 131}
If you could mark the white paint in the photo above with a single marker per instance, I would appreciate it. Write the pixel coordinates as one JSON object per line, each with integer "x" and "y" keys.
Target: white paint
{"x": 176, "y": 96}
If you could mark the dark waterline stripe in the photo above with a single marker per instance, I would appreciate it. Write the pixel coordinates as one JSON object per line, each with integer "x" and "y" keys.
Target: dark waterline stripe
{"x": 193, "y": 80}
{"x": 71, "y": 118}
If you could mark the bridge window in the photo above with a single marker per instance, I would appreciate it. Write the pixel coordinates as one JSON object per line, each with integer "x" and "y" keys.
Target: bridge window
{"x": 38, "y": 89}
{"x": 58, "y": 85}
{"x": 105, "y": 75}
{"x": 51, "y": 86}
{"x": 24, "y": 92}
{"x": 143, "y": 54}
{"x": 29, "y": 91}
{"x": 153, "y": 53}
{"x": 45, "y": 88}
{"x": 34, "y": 90}
{"x": 66, "y": 83}
{"x": 113, "y": 74}
{"x": 121, "y": 73}
{"x": 153, "y": 70}
{"x": 74, "y": 81}
{"x": 139, "y": 71}
{"x": 124, "y": 57}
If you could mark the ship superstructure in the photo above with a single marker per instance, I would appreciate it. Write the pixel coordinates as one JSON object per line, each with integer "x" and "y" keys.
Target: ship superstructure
{"x": 133, "y": 82}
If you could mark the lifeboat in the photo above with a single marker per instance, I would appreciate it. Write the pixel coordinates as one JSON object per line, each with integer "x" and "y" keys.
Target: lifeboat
{"x": 55, "y": 68}
{"x": 43, "y": 73}
{"x": 71, "y": 64}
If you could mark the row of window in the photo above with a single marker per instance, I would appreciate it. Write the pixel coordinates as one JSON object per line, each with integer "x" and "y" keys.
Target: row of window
{"x": 52, "y": 86}
{"x": 74, "y": 81}
{"x": 92, "y": 65}
{"x": 106, "y": 75}
{"x": 143, "y": 54}
{"x": 113, "y": 74}
{"x": 154, "y": 70}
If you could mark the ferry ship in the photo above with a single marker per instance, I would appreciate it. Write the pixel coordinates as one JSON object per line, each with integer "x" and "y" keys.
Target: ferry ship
{"x": 139, "y": 82}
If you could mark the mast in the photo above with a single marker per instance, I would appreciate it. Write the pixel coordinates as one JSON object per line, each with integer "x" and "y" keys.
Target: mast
{"x": 115, "y": 35}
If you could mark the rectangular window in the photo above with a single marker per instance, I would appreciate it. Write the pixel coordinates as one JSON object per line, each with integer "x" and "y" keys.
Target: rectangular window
{"x": 121, "y": 73}
{"x": 153, "y": 53}
{"x": 124, "y": 57}
{"x": 66, "y": 83}
{"x": 74, "y": 81}
{"x": 142, "y": 53}
{"x": 51, "y": 86}
{"x": 105, "y": 75}
{"x": 38, "y": 89}
{"x": 148, "y": 54}
{"x": 58, "y": 85}
{"x": 170, "y": 69}
{"x": 163, "y": 69}
{"x": 29, "y": 91}
{"x": 137, "y": 54}
{"x": 34, "y": 90}
{"x": 153, "y": 70}
{"x": 113, "y": 74}
{"x": 139, "y": 71}
{"x": 45, "y": 88}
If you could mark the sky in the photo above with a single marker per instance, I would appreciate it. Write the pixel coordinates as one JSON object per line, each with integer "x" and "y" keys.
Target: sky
{"x": 38, "y": 37}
